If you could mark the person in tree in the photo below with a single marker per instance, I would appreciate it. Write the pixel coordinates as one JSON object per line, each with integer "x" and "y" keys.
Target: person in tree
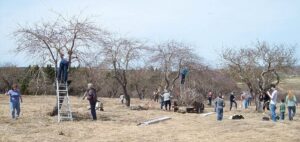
{"x": 183, "y": 73}
{"x": 91, "y": 96}
{"x": 232, "y": 101}
{"x": 14, "y": 101}
{"x": 63, "y": 68}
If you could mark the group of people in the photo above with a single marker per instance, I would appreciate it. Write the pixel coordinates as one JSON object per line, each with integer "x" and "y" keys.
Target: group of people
{"x": 270, "y": 99}
{"x": 164, "y": 97}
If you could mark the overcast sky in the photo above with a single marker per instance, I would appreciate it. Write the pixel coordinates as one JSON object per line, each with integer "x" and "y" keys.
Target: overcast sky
{"x": 208, "y": 25}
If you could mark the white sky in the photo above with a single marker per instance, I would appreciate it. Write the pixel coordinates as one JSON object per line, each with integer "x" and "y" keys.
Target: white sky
{"x": 209, "y": 25}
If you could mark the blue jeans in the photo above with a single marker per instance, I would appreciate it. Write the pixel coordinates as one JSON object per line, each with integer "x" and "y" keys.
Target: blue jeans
{"x": 15, "y": 106}
{"x": 63, "y": 71}
{"x": 93, "y": 110}
{"x": 273, "y": 112}
{"x": 219, "y": 114}
{"x": 162, "y": 104}
{"x": 292, "y": 112}
{"x": 282, "y": 115}
{"x": 245, "y": 103}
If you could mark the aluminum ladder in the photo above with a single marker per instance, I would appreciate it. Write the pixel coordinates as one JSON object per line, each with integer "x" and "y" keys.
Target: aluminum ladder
{"x": 64, "y": 111}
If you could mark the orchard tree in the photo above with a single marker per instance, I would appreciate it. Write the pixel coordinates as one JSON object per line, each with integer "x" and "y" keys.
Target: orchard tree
{"x": 120, "y": 54}
{"x": 258, "y": 67}
{"x": 45, "y": 41}
{"x": 170, "y": 57}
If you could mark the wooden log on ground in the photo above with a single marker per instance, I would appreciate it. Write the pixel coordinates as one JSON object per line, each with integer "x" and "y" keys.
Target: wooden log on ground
{"x": 153, "y": 121}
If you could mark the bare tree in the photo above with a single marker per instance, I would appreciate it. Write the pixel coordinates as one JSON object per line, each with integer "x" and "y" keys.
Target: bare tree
{"x": 120, "y": 54}
{"x": 9, "y": 74}
{"x": 258, "y": 67}
{"x": 171, "y": 57}
{"x": 46, "y": 40}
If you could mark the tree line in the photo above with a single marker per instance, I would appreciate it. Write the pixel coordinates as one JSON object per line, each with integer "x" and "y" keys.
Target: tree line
{"x": 117, "y": 64}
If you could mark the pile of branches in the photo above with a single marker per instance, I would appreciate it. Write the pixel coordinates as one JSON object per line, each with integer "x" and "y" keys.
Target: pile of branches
{"x": 189, "y": 97}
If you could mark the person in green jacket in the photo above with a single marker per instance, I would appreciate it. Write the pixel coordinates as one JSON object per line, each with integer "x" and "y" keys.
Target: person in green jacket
{"x": 291, "y": 102}
{"x": 282, "y": 109}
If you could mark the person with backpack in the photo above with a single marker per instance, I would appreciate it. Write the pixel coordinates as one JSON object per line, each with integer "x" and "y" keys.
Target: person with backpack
{"x": 14, "y": 103}
{"x": 91, "y": 95}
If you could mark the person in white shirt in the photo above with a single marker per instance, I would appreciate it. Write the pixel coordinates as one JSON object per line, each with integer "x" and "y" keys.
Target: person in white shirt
{"x": 167, "y": 99}
{"x": 273, "y": 101}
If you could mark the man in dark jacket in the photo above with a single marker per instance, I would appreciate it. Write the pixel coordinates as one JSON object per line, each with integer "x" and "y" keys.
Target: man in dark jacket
{"x": 92, "y": 97}
{"x": 232, "y": 101}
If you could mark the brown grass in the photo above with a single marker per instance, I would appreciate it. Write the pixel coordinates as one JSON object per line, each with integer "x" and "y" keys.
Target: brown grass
{"x": 119, "y": 124}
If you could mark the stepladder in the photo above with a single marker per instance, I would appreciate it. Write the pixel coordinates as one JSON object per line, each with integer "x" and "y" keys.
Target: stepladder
{"x": 63, "y": 102}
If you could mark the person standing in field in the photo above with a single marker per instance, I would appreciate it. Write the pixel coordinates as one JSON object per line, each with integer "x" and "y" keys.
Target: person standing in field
{"x": 282, "y": 109}
{"x": 14, "y": 101}
{"x": 260, "y": 102}
{"x": 161, "y": 100}
{"x": 209, "y": 96}
{"x": 220, "y": 105}
{"x": 232, "y": 101}
{"x": 156, "y": 95}
{"x": 291, "y": 102}
{"x": 273, "y": 101}
{"x": 167, "y": 99}
{"x": 92, "y": 97}
{"x": 244, "y": 100}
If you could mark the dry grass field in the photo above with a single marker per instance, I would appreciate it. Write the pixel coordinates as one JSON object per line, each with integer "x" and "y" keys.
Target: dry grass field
{"x": 119, "y": 124}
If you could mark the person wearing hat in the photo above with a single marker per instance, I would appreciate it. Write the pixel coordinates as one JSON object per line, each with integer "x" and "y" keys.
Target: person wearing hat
{"x": 91, "y": 95}
{"x": 232, "y": 101}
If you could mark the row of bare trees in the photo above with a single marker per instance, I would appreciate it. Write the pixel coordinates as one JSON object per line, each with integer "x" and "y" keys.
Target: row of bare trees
{"x": 103, "y": 56}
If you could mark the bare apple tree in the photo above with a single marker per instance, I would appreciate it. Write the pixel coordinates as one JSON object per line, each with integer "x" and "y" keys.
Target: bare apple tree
{"x": 171, "y": 56}
{"x": 46, "y": 40}
{"x": 121, "y": 53}
{"x": 258, "y": 67}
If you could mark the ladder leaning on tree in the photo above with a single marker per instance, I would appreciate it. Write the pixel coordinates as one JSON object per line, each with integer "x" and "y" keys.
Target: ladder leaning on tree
{"x": 63, "y": 102}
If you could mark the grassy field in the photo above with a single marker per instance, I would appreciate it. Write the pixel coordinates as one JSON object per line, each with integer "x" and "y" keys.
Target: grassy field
{"x": 119, "y": 124}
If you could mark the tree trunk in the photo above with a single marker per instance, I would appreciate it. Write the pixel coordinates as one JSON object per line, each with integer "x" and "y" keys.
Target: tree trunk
{"x": 127, "y": 97}
{"x": 138, "y": 91}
